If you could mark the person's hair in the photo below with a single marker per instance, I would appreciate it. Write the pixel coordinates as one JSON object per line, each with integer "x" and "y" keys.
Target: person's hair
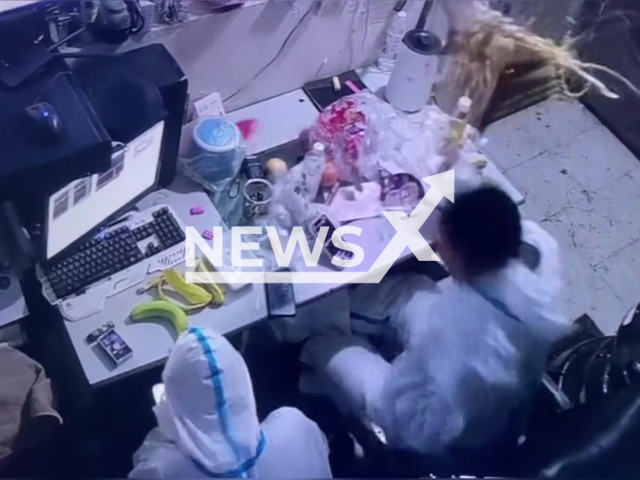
{"x": 483, "y": 227}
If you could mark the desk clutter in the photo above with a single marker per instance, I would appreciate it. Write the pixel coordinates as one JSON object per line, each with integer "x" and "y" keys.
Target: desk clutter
{"x": 135, "y": 242}
{"x": 360, "y": 158}
{"x": 355, "y": 158}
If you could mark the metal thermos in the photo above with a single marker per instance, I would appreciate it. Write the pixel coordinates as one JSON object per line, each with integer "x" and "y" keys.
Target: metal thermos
{"x": 415, "y": 71}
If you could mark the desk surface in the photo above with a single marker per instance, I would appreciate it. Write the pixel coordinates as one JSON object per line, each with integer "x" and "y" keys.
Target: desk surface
{"x": 152, "y": 341}
{"x": 281, "y": 120}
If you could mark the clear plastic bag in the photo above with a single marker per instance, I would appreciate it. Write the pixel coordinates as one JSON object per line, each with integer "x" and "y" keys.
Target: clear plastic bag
{"x": 289, "y": 205}
{"x": 354, "y": 130}
{"x": 361, "y": 131}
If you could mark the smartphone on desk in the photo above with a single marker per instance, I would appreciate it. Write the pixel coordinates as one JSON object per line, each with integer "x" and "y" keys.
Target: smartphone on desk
{"x": 329, "y": 249}
{"x": 281, "y": 301}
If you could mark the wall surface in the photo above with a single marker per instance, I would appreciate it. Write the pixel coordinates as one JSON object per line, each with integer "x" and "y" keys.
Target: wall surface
{"x": 550, "y": 18}
{"x": 225, "y": 52}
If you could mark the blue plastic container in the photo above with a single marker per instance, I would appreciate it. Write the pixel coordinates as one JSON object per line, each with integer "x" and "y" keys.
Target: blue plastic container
{"x": 216, "y": 153}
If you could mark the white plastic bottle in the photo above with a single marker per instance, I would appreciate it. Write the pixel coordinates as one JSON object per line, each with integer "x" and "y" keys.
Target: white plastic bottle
{"x": 392, "y": 43}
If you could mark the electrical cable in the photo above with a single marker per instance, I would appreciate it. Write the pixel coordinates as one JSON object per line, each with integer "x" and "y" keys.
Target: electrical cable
{"x": 275, "y": 58}
{"x": 137, "y": 24}
{"x": 66, "y": 39}
{"x": 582, "y": 398}
{"x": 614, "y": 350}
{"x": 567, "y": 356}
{"x": 350, "y": 32}
{"x": 400, "y": 5}
{"x": 610, "y": 17}
{"x": 366, "y": 27}
{"x": 133, "y": 7}
{"x": 424, "y": 13}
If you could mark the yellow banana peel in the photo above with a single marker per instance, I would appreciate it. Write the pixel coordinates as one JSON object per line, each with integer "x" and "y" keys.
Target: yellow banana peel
{"x": 217, "y": 291}
{"x": 197, "y": 296}
{"x": 193, "y": 294}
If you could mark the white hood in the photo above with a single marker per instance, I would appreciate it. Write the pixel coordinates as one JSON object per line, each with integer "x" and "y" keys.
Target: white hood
{"x": 209, "y": 409}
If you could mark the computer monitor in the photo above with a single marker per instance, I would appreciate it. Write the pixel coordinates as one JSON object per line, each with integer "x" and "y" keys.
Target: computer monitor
{"x": 77, "y": 210}
{"x": 6, "y": 5}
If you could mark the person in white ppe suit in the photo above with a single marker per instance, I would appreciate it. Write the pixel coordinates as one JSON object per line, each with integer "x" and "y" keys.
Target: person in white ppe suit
{"x": 472, "y": 347}
{"x": 208, "y": 427}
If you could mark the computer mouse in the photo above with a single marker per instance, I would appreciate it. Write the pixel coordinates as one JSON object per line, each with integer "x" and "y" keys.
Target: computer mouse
{"x": 44, "y": 122}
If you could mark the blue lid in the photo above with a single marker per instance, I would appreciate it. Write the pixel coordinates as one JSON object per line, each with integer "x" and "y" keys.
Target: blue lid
{"x": 216, "y": 134}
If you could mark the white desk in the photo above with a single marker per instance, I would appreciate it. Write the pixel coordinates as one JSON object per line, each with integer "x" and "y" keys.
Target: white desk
{"x": 151, "y": 341}
{"x": 281, "y": 120}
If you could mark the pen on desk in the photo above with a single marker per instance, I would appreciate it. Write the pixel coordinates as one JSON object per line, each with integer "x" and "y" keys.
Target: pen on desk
{"x": 118, "y": 221}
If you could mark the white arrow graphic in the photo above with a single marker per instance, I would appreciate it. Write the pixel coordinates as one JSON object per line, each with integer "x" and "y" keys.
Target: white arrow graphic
{"x": 407, "y": 235}
{"x": 408, "y": 227}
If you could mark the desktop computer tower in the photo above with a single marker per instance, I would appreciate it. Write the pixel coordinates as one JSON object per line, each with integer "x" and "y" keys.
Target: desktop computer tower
{"x": 132, "y": 91}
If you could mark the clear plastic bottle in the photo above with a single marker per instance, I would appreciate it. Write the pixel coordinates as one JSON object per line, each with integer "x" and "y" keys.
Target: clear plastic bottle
{"x": 312, "y": 169}
{"x": 395, "y": 34}
{"x": 459, "y": 121}
{"x": 455, "y": 140}
{"x": 299, "y": 188}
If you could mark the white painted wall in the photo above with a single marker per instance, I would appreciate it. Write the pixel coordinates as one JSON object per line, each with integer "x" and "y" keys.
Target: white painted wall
{"x": 223, "y": 52}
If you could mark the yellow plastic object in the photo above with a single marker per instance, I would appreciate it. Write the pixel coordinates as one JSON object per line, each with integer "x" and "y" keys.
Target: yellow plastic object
{"x": 162, "y": 309}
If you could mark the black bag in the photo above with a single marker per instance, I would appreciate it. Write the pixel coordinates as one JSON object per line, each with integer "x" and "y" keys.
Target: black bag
{"x": 598, "y": 365}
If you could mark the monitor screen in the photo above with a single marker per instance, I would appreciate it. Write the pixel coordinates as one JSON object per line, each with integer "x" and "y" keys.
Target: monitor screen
{"x": 84, "y": 204}
{"x": 11, "y": 5}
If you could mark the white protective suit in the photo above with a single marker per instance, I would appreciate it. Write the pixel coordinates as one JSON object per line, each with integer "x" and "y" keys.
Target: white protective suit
{"x": 208, "y": 427}
{"x": 472, "y": 355}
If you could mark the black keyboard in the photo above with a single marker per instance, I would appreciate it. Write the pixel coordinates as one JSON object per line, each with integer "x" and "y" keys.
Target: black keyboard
{"x": 113, "y": 252}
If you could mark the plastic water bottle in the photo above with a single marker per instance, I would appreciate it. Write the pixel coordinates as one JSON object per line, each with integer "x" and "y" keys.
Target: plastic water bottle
{"x": 459, "y": 120}
{"x": 312, "y": 169}
{"x": 391, "y": 47}
{"x": 300, "y": 187}
{"x": 455, "y": 140}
